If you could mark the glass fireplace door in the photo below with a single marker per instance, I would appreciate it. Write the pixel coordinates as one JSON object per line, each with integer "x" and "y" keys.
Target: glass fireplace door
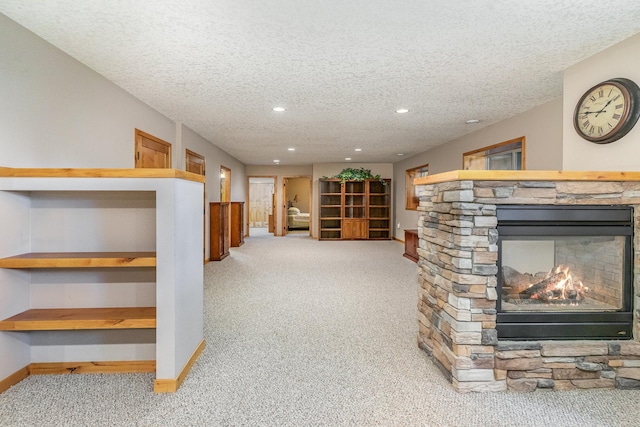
{"x": 565, "y": 272}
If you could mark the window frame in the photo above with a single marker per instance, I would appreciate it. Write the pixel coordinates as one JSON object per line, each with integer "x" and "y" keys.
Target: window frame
{"x": 494, "y": 149}
{"x": 412, "y": 200}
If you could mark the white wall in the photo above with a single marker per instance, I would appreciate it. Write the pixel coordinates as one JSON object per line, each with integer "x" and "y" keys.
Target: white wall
{"x": 541, "y": 126}
{"x": 621, "y": 60}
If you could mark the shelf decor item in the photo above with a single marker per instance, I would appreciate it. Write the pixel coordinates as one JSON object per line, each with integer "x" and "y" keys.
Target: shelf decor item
{"x": 351, "y": 174}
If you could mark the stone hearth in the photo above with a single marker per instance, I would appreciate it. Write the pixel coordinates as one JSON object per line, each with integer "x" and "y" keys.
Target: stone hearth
{"x": 458, "y": 255}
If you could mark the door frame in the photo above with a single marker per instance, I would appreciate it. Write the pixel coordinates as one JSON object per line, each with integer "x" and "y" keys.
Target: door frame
{"x": 248, "y": 199}
{"x": 285, "y": 215}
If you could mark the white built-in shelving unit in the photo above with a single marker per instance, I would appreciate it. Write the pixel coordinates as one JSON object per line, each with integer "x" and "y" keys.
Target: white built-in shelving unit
{"x": 100, "y": 271}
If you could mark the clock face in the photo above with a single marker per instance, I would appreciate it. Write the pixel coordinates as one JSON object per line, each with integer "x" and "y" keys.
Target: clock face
{"x": 607, "y": 111}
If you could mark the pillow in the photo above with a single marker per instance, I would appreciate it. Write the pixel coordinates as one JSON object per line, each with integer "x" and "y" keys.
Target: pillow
{"x": 294, "y": 211}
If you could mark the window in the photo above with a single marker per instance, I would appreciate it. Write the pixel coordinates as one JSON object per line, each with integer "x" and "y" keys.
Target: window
{"x": 413, "y": 197}
{"x": 508, "y": 155}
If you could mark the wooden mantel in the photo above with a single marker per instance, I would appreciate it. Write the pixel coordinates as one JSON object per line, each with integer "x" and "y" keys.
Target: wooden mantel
{"x": 529, "y": 175}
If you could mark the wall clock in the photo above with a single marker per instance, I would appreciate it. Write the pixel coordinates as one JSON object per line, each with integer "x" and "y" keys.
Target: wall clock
{"x": 607, "y": 111}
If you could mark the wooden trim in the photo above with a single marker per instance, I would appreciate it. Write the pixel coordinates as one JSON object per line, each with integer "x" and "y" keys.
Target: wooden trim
{"x": 105, "y": 367}
{"x": 99, "y": 173}
{"x": 14, "y": 378}
{"x": 530, "y": 175}
{"x": 108, "y": 367}
{"x": 172, "y": 385}
{"x": 65, "y": 319}
{"x": 80, "y": 260}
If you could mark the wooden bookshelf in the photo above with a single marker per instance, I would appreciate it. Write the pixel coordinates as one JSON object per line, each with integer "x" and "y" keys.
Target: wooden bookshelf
{"x": 58, "y": 319}
{"x": 355, "y": 210}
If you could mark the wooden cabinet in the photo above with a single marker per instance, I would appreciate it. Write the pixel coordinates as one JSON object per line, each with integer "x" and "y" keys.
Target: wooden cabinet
{"x": 355, "y": 209}
{"x": 237, "y": 224}
{"x": 107, "y": 266}
{"x": 219, "y": 230}
{"x": 411, "y": 245}
{"x": 354, "y": 229}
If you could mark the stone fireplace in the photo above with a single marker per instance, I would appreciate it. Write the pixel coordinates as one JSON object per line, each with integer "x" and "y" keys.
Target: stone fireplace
{"x": 471, "y": 319}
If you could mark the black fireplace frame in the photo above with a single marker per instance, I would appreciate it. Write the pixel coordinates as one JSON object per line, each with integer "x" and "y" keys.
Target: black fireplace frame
{"x": 517, "y": 221}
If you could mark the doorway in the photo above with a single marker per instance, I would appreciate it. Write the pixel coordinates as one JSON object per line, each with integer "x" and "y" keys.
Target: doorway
{"x": 225, "y": 184}
{"x": 261, "y": 204}
{"x": 296, "y": 193}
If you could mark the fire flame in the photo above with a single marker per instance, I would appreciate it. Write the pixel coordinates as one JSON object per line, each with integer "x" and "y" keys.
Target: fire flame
{"x": 562, "y": 287}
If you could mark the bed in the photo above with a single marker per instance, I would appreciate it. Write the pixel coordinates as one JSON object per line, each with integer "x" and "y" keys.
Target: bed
{"x": 297, "y": 219}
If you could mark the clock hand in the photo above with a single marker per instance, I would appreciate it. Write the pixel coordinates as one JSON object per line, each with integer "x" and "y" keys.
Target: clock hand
{"x": 605, "y": 106}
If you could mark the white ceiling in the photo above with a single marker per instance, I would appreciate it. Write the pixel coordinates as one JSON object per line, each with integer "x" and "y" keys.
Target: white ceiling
{"x": 340, "y": 67}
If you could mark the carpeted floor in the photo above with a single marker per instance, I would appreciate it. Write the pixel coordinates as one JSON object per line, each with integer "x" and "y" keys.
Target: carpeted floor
{"x": 306, "y": 333}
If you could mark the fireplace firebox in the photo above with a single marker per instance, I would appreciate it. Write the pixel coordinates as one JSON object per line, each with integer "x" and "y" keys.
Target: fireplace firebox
{"x": 565, "y": 272}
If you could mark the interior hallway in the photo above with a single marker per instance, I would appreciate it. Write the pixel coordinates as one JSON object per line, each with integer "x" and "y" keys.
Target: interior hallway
{"x": 306, "y": 333}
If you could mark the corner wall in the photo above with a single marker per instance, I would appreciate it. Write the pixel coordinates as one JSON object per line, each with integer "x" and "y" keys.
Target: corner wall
{"x": 541, "y": 126}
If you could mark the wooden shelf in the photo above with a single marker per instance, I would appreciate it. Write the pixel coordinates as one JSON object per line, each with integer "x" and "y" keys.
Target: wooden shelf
{"x": 80, "y": 260}
{"x": 53, "y": 319}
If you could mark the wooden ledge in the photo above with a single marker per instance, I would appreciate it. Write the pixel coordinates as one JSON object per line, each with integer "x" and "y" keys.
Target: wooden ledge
{"x": 80, "y": 260}
{"x": 98, "y": 173}
{"x": 532, "y": 175}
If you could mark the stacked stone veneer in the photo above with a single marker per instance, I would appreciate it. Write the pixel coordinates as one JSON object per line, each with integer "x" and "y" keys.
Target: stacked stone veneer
{"x": 458, "y": 279}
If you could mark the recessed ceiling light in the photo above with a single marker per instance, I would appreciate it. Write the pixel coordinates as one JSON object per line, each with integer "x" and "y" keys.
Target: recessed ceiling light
{"x": 358, "y": 149}
{"x": 472, "y": 121}
{"x": 291, "y": 149}
{"x": 279, "y": 109}
{"x": 400, "y": 154}
{"x": 402, "y": 110}
{"x": 347, "y": 158}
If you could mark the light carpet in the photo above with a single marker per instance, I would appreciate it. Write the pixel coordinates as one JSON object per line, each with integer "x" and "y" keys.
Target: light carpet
{"x": 306, "y": 333}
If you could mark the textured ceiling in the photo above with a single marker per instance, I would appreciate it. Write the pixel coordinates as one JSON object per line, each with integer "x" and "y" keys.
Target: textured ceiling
{"x": 340, "y": 67}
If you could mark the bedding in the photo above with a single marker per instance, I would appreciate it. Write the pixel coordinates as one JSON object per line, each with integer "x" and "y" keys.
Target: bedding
{"x": 298, "y": 219}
